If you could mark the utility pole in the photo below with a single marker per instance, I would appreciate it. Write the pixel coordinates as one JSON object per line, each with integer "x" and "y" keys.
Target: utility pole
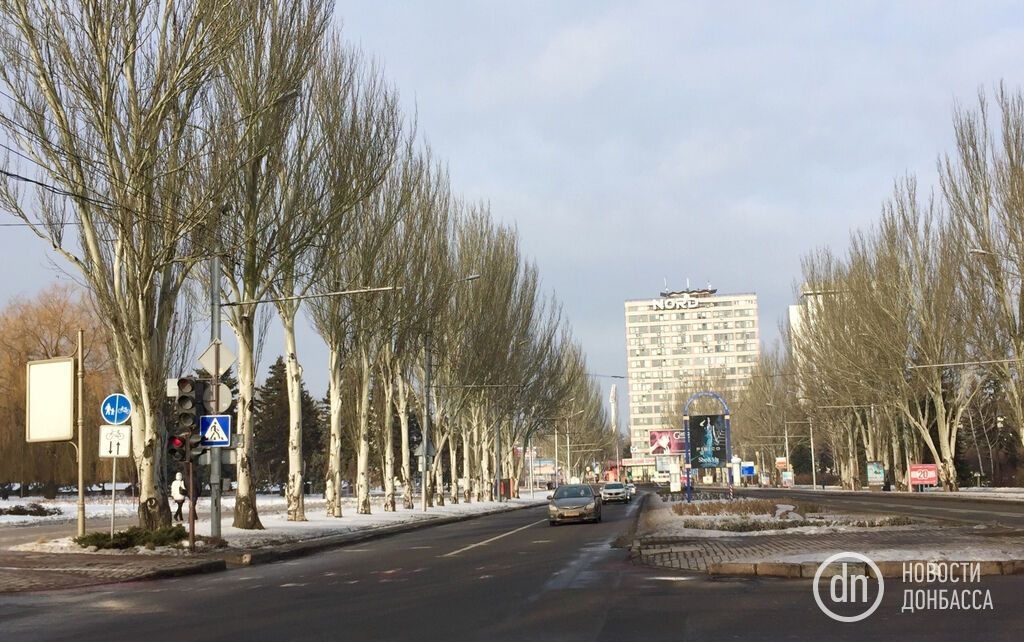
{"x": 81, "y": 427}
{"x": 215, "y": 338}
{"x": 555, "y": 431}
{"x": 497, "y": 458}
{"x": 814, "y": 466}
{"x": 613, "y": 403}
{"x": 426, "y": 419}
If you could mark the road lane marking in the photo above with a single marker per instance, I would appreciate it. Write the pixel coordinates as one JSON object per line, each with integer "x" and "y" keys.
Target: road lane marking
{"x": 495, "y": 538}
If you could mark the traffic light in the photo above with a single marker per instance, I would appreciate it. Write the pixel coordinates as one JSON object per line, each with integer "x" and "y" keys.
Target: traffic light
{"x": 195, "y": 447}
{"x": 188, "y": 406}
{"x": 176, "y": 443}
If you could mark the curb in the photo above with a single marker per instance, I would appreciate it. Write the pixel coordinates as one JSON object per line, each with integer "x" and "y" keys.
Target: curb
{"x": 209, "y": 566}
{"x": 250, "y": 557}
{"x": 636, "y": 547}
{"x": 807, "y": 570}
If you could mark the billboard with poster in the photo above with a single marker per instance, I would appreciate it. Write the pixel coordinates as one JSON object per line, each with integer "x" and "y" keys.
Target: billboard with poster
{"x": 707, "y": 441}
{"x": 666, "y": 442}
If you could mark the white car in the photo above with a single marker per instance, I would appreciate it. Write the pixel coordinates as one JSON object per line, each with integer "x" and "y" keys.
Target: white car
{"x": 631, "y": 490}
{"x": 614, "y": 492}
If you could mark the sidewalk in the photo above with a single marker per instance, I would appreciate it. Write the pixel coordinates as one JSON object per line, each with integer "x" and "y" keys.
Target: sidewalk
{"x": 35, "y": 570}
{"x": 1000, "y": 549}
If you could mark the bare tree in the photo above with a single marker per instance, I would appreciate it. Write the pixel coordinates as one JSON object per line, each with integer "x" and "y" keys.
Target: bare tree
{"x": 103, "y": 98}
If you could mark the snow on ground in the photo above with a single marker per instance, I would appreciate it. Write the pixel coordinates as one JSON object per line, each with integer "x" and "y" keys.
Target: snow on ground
{"x": 278, "y": 530}
{"x": 1008, "y": 493}
{"x": 992, "y": 552}
{"x": 662, "y": 521}
{"x": 94, "y": 507}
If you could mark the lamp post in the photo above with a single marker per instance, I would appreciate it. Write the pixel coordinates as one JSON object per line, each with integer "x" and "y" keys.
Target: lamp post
{"x": 555, "y": 432}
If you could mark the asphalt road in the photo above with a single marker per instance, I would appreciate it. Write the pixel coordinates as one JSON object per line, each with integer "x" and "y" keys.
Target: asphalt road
{"x": 954, "y": 509}
{"x": 504, "y": 577}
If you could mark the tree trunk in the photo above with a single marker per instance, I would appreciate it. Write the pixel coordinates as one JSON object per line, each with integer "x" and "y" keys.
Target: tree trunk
{"x": 246, "y": 514}
{"x": 334, "y": 456}
{"x": 295, "y": 492}
{"x": 467, "y": 475}
{"x": 389, "y": 449}
{"x": 363, "y": 454}
{"x": 403, "y": 420}
{"x": 149, "y": 451}
{"x": 453, "y": 460}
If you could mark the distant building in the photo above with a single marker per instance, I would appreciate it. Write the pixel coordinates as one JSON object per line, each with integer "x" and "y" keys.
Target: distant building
{"x": 673, "y": 343}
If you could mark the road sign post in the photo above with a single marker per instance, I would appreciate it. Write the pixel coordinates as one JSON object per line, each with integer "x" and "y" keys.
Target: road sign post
{"x": 217, "y": 359}
{"x": 114, "y": 443}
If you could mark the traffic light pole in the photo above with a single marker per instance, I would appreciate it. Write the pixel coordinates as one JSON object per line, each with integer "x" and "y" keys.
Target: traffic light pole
{"x": 191, "y": 500}
{"x": 424, "y": 465}
{"x": 215, "y": 337}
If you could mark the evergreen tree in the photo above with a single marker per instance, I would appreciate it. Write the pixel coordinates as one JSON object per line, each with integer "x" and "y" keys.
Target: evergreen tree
{"x": 270, "y": 431}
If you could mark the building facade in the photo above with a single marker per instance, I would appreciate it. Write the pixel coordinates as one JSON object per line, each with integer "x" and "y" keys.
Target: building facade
{"x": 676, "y": 343}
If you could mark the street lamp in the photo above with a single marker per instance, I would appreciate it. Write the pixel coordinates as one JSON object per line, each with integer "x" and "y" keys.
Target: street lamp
{"x": 568, "y": 461}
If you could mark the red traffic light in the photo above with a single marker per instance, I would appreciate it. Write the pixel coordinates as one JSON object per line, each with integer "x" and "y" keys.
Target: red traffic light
{"x": 177, "y": 442}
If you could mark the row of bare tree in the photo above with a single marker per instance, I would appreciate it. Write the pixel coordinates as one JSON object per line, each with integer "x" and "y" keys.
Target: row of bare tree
{"x": 163, "y": 133}
{"x": 918, "y": 330}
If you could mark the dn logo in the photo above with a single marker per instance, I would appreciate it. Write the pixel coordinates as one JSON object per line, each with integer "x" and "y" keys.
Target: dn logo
{"x": 848, "y": 587}
{"x": 844, "y": 582}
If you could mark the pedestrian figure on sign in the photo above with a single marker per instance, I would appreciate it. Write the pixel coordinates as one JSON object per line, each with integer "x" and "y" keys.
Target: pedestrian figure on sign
{"x": 178, "y": 494}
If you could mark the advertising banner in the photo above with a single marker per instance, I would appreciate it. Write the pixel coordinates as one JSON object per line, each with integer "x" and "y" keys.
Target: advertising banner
{"x": 707, "y": 441}
{"x": 876, "y": 473}
{"x": 665, "y": 442}
{"x": 638, "y": 461}
{"x": 664, "y": 463}
{"x": 747, "y": 468}
{"x": 781, "y": 463}
{"x": 924, "y": 475}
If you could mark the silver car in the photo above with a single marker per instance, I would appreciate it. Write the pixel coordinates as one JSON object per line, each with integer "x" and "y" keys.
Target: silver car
{"x": 574, "y": 503}
{"x": 614, "y": 492}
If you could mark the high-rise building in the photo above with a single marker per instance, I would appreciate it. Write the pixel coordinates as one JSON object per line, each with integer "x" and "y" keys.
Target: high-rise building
{"x": 677, "y": 342}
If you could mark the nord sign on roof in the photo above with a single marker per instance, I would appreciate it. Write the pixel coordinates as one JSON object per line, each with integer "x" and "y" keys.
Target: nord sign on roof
{"x": 683, "y": 302}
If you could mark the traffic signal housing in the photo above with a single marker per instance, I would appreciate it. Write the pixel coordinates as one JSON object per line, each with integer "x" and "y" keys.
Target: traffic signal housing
{"x": 176, "y": 445}
{"x": 188, "y": 405}
{"x": 195, "y": 446}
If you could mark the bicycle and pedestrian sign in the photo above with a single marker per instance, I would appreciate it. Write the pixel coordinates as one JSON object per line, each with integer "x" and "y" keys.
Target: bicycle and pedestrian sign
{"x": 116, "y": 409}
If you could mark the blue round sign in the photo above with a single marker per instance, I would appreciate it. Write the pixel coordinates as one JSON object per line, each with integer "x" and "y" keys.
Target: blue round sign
{"x": 116, "y": 409}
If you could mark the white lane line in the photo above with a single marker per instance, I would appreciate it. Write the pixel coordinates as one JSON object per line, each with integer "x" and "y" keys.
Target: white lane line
{"x": 495, "y": 538}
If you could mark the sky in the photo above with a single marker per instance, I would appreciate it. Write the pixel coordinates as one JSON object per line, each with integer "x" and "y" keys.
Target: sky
{"x": 644, "y": 143}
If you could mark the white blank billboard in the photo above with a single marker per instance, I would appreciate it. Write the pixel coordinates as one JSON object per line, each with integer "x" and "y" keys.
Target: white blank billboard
{"x": 50, "y": 408}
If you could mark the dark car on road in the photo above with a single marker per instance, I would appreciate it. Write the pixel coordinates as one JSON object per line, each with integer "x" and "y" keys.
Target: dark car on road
{"x": 574, "y": 503}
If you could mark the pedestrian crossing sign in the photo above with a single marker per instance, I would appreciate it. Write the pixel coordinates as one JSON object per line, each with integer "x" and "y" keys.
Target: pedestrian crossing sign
{"x": 215, "y": 429}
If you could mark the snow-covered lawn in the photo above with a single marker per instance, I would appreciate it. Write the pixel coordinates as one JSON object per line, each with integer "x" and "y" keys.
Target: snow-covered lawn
{"x": 278, "y": 530}
{"x": 94, "y": 507}
{"x": 663, "y": 521}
